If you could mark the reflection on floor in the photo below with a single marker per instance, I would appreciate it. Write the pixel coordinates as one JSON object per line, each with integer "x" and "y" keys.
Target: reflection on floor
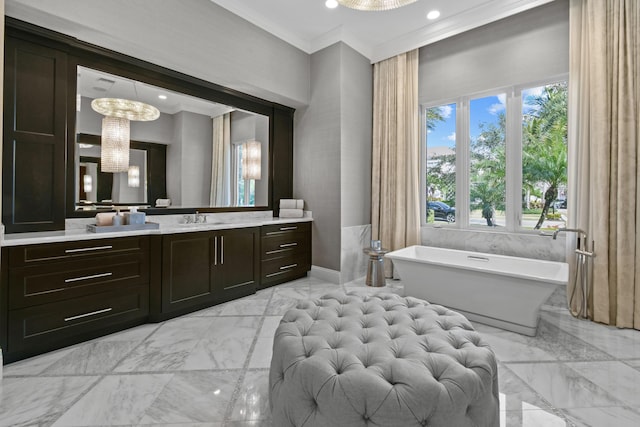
{"x": 210, "y": 368}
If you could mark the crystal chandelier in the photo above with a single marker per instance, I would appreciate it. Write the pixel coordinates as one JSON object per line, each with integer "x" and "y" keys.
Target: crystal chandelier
{"x": 375, "y": 4}
{"x": 114, "y": 155}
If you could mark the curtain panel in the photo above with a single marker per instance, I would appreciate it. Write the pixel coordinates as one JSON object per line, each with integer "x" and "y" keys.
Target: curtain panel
{"x": 395, "y": 183}
{"x": 604, "y": 124}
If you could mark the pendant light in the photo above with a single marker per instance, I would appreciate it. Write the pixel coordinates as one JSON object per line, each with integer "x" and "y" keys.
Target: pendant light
{"x": 374, "y": 4}
{"x": 251, "y": 160}
{"x": 116, "y": 128}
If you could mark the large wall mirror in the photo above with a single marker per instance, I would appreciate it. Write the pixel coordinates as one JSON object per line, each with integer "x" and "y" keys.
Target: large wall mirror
{"x": 216, "y": 155}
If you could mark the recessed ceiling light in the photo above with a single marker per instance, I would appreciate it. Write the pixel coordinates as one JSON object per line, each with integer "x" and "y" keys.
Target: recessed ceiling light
{"x": 434, "y": 14}
{"x": 331, "y": 4}
{"x": 162, "y": 96}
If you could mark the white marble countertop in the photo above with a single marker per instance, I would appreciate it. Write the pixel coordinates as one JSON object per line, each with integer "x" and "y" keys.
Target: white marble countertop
{"x": 169, "y": 224}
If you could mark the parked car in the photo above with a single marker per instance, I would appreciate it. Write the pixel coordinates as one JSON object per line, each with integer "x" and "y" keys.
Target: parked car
{"x": 560, "y": 204}
{"x": 442, "y": 211}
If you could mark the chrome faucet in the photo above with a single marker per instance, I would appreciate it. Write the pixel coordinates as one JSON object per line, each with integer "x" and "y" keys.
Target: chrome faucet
{"x": 573, "y": 230}
{"x": 200, "y": 218}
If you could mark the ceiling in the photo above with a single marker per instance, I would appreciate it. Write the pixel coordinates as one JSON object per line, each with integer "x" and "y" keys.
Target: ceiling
{"x": 310, "y": 25}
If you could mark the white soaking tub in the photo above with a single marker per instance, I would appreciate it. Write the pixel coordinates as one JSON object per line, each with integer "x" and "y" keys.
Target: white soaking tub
{"x": 497, "y": 290}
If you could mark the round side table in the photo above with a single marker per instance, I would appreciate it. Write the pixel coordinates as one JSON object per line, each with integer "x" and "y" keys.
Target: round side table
{"x": 375, "y": 270}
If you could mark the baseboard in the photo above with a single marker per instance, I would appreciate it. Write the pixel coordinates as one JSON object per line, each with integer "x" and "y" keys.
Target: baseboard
{"x": 332, "y": 276}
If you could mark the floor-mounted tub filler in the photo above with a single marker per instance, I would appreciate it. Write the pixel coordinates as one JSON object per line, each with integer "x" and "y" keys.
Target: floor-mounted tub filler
{"x": 497, "y": 290}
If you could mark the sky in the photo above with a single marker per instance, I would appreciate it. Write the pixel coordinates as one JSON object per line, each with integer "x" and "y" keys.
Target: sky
{"x": 482, "y": 110}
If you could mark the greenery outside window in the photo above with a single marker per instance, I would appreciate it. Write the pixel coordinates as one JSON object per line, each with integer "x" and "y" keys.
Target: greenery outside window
{"x": 510, "y": 148}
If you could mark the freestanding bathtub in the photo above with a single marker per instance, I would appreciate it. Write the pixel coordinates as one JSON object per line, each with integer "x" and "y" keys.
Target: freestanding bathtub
{"x": 501, "y": 291}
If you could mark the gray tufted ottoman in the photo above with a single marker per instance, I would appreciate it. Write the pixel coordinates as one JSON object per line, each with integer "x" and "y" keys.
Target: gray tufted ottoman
{"x": 383, "y": 360}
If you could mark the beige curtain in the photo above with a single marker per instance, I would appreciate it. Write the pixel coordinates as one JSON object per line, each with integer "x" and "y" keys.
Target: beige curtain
{"x": 395, "y": 216}
{"x": 221, "y": 161}
{"x": 604, "y": 124}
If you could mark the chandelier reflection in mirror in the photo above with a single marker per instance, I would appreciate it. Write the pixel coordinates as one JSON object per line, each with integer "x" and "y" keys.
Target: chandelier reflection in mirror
{"x": 374, "y": 4}
{"x": 116, "y": 129}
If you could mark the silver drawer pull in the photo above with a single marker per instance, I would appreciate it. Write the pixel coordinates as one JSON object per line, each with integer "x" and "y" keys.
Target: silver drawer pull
{"x": 285, "y": 267}
{"x": 288, "y": 245}
{"x": 93, "y": 313}
{"x": 95, "y": 248}
{"x": 277, "y": 274}
{"x": 93, "y": 276}
{"x": 288, "y": 228}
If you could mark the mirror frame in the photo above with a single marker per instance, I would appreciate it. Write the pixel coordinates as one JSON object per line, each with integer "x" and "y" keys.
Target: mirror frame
{"x": 114, "y": 63}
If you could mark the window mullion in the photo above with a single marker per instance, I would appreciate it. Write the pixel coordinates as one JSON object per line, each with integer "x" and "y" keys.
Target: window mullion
{"x": 462, "y": 164}
{"x": 514, "y": 161}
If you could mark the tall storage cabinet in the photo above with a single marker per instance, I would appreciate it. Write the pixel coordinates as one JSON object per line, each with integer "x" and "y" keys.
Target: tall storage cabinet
{"x": 35, "y": 124}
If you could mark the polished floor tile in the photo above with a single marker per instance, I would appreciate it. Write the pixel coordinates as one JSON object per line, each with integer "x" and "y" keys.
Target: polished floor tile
{"x": 210, "y": 369}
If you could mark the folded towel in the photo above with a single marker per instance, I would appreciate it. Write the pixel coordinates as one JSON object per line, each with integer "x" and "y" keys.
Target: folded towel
{"x": 299, "y": 204}
{"x": 288, "y": 204}
{"x": 163, "y": 203}
{"x": 291, "y": 213}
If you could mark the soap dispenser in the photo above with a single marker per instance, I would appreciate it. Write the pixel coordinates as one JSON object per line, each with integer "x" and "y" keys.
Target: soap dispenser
{"x": 117, "y": 218}
{"x": 136, "y": 217}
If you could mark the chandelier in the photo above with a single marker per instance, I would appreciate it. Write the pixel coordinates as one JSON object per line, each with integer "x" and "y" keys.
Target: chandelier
{"x": 114, "y": 153}
{"x": 375, "y": 4}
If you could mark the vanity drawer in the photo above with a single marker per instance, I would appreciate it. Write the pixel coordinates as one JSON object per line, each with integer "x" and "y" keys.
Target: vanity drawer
{"x": 83, "y": 249}
{"x": 45, "y": 327}
{"x": 283, "y": 269}
{"x": 284, "y": 244}
{"x": 52, "y": 282}
{"x": 293, "y": 227}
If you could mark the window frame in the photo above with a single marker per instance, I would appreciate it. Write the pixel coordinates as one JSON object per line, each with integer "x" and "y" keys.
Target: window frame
{"x": 513, "y": 154}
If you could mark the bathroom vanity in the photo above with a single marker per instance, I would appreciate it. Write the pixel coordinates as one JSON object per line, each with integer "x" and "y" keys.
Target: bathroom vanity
{"x": 62, "y": 288}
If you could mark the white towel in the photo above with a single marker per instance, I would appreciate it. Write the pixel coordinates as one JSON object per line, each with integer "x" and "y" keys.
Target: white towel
{"x": 288, "y": 204}
{"x": 291, "y": 213}
{"x": 163, "y": 203}
{"x": 299, "y": 204}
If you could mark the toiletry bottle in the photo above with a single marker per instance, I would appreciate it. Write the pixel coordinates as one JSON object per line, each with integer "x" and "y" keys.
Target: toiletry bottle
{"x": 117, "y": 218}
{"x": 136, "y": 217}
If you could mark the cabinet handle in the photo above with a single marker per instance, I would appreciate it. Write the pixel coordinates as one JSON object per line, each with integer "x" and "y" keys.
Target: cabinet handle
{"x": 221, "y": 250}
{"x": 288, "y": 228}
{"x": 215, "y": 250}
{"x": 276, "y": 274}
{"x": 288, "y": 245}
{"x": 80, "y": 316}
{"x": 93, "y": 276}
{"x": 285, "y": 267}
{"x": 95, "y": 248}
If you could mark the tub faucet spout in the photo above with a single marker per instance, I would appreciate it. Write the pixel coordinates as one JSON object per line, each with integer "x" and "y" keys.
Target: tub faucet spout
{"x": 573, "y": 230}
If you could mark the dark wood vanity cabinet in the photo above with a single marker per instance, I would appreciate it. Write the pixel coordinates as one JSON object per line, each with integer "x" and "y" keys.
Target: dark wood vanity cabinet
{"x": 204, "y": 268}
{"x": 285, "y": 252}
{"x": 58, "y": 294}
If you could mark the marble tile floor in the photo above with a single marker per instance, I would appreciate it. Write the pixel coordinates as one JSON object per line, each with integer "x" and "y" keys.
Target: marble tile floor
{"x": 210, "y": 368}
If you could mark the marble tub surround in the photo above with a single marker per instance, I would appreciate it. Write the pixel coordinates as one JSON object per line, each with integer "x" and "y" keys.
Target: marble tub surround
{"x": 574, "y": 373}
{"x": 75, "y": 228}
{"x": 353, "y": 261}
{"x": 525, "y": 245}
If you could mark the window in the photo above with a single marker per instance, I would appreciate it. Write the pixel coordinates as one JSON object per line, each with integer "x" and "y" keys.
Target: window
{"x": 441, "y": 163}
{"x": 511, "y": 147}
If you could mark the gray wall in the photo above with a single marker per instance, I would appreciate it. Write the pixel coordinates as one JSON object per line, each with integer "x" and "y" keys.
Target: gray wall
{"x": 317, "y": 156}
{"x": 520, "y": 49}
{"x": 332, "y": 153}
{"x": 195, "y": 37}
{"x": 195, "y": 135}
{"x": 356, "y": 100}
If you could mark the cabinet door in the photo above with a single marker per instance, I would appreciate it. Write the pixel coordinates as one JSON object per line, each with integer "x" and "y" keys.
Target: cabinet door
{"x": 236, "y": 268}
{"x": 33, "y": 160}
{"x": 187, "y": 281}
